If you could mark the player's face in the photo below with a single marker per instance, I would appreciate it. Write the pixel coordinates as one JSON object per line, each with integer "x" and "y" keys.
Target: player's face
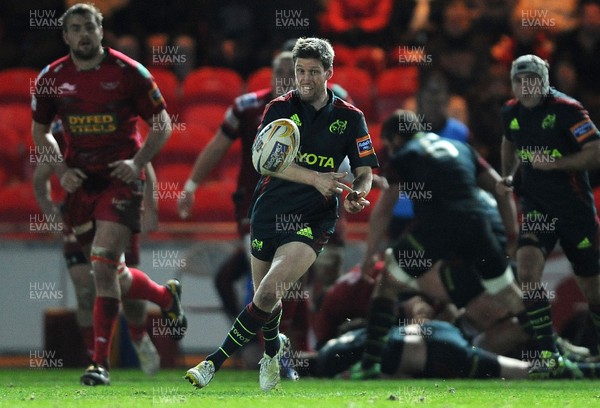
{"x": 283, "y": 76}
{"x": 528, "y": 89}
{"x": 83, "y": 36}
{"x": 311, "y": 79}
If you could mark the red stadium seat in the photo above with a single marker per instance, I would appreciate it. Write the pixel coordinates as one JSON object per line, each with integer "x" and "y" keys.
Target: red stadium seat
{"x": 259, "y": 79}
{"x": 394, "y": 85}
{"x": 17, "y": 116}
{"x": 209, "y": 115}
{"x": 359, "y": 85}
{"x": 17, "y": 203}
{"x": 13, "y": 156}
{"x": 16, "y": 85}
{"x": 213, "y": 198}
{"x": 184, "y": 145}
{"x": 212, "y": 85}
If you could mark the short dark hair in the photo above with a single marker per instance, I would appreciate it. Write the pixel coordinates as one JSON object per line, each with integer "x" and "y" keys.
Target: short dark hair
{"x": 317, "y": 48}
{"x": 402, "y": 123}
{"x": 81, "y": 9}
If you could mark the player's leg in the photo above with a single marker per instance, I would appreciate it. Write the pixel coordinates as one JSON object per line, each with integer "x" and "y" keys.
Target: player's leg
{"x": 581, "y": 248}
{"x": 235, "y": 267}
{"x": 82, "y": 277}
{"x": 290, "y": 262}
{"x": 110, "y": 241}
{"x": 379, "y": 320}
{"x": 245, "y": 325}
{"x": 135, "y": 313}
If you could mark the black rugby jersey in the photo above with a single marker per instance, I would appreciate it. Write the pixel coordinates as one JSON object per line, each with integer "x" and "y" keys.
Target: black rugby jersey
{"x": 557, "y": 127}
{"x": 327, "y": 136}
{"x": 439, "y": 175}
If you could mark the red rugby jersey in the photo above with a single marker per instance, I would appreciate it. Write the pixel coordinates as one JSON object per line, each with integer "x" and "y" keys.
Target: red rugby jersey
{"x": 98, "y": 108}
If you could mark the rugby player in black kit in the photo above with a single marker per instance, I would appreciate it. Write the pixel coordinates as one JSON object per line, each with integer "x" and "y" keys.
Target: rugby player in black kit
{"x": 552, "y": 140}
{"x": 307, "y": 192}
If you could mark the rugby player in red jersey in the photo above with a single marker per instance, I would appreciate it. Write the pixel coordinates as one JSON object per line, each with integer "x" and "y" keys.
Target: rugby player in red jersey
{"x": 99, "y": 93}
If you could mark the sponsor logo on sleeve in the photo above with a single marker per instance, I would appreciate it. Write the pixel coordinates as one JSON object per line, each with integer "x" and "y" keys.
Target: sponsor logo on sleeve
{"x": 364, "y": 145}
{"x": 583, "y": 130}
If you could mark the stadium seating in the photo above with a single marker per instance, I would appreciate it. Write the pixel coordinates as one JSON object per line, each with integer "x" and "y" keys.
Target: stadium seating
{"x": 210, "y": 115}
{"x": 393, "y": 86}
{"x": 259, "y": 79}
{"x": 18, "y": 115}
{"x": 213, "y": 198}
{"x": 184, "y": 145}
{"x": 16, "y": 85}
{"x": 17, "y": 203}
{"x": 359, "y": 85}
{"x": 212, "y": 85}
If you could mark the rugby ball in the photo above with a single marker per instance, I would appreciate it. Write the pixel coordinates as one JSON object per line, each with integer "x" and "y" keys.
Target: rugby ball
{"x": 276, "y": 146}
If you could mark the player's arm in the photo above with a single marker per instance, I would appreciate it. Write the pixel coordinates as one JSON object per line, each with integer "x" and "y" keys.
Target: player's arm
{"x": 42, "y": 190}
{"x": 488, "y": 180}
{"x": 150, "y": 218}
{"x": 587, "y": 158}
{"x": 328, "y": 184}
{"x": 205, "y": 162}
{"x": 379, "y": 220}
{"x": 578, "y": 128}
{"x": 70, "y": 178}
{"x": 510, "y": 164}
{"x": 160, "y": 131}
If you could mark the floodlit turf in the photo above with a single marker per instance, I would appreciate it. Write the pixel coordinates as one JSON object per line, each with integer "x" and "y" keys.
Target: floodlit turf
{"x": 60, "y": 388}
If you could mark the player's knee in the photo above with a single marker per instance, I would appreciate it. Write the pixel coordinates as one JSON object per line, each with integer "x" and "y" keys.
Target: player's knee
{"x": 267, "y": 297}
{"x": 103, "y": 256}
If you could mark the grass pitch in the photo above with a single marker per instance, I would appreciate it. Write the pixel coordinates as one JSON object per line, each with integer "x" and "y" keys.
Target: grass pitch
{"x": 130, "y": 388}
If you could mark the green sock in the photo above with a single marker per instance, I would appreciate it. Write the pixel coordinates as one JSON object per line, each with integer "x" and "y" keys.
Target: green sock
{"x": 244, "y": 328}
{"x": 381, "y": 319}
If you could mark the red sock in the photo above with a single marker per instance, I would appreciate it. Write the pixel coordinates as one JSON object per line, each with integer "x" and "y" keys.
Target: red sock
{"x": 88, "y": 339}
{"x": 106, "y": 311}
{"x": 142, "y": 287}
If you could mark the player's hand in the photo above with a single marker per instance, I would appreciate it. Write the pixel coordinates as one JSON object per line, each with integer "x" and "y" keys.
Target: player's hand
{"x": 185, "y": 203}
{"x": 366, "y": 268}
{"x": 355, "y": 201}
{"x": 505, "y": 186}
{"x": 328, "y": 184}
{"x": 125, "y": 170}
{"x": 72, "y": 179}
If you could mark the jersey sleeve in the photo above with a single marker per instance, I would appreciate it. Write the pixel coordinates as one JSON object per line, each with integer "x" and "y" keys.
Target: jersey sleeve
{"x": 146, "y": 95}
{"x": 43, "y": 108}
{"x": 360, "y": 149}
{"x": 578, "y": 124}
{"x": 234, "y": 114}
